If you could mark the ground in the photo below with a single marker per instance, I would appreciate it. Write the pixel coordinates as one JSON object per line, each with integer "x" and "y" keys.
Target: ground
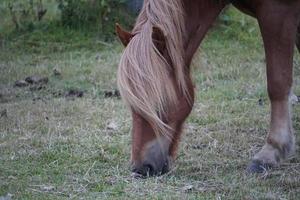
{"x": 59, "y": 146}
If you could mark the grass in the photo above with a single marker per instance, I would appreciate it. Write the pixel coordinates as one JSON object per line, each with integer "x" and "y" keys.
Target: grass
{"x": 54, "y": 147}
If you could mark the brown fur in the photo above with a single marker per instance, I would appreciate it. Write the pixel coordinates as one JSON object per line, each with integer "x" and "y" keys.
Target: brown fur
{"x": 144, "y": 75}
{"x": 154, "y": 79}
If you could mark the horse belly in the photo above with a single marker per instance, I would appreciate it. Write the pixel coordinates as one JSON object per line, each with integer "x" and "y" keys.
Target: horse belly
{"x": 245, "y": 6}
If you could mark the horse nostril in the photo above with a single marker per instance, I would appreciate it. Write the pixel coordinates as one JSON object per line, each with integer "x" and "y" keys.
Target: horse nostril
{"x": 149, "y": 169}
{"x": 165, "y": 167}
{"x": 144, "y": 170}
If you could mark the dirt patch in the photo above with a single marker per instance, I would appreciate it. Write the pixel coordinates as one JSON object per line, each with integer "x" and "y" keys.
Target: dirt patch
{"x": 37, "y": 87}
{"x": 37, "y": 80}
{"x": 74, "y": 93}
{"x": 21, "y": 83}
{"x": 3, "y": 113}
{"x": 112, "y": 93}
{"x": 32, "y": 80}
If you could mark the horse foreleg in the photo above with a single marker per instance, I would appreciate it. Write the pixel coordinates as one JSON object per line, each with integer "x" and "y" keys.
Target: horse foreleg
{"x": 278, "y": 24}
{"x": 298, "y": 38}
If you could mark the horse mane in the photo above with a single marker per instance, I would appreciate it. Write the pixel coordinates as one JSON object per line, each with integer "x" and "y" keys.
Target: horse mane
{"x": 144, "y": 74}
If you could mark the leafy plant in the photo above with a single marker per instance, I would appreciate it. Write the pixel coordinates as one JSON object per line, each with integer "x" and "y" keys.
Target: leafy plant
{"x": 24, "y": 14}
{"x": 90, "y": 13}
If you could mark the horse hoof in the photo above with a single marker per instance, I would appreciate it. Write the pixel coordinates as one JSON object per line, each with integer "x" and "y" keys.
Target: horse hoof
{"x": 258, "y": 167}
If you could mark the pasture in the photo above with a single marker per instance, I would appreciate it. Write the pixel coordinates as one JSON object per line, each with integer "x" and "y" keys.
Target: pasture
{"x": 55, "y": 144}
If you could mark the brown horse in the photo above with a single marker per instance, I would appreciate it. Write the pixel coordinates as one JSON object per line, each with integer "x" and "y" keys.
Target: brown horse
{"x": 154, "y": 75}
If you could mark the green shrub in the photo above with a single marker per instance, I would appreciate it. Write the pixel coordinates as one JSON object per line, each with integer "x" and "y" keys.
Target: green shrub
{"x": 87, "y": 16}
{"x": 101, "y": 14}
{"x": 25, "y": 14}
{"x": 233, "y": 24}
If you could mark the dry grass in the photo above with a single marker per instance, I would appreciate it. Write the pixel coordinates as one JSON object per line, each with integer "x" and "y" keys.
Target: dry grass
{"x": 60, "y": 148}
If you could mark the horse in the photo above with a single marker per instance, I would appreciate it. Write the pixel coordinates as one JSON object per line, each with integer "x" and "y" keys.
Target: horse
{"x": 155, "y": 82}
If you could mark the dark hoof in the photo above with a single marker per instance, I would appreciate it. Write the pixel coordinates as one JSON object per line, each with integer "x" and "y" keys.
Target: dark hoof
{"x": 258, "y": 167}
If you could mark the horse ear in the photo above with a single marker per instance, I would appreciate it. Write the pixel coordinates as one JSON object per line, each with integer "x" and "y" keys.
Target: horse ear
{"x": 124, "y": 36}
{"x": 159, "y": 39}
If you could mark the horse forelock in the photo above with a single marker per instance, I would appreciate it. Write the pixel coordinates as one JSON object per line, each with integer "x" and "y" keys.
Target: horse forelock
{"x": 144, "y": 74}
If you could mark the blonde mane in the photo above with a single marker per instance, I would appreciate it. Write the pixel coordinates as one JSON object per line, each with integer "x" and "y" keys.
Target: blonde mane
{"x": 144, "y": 74}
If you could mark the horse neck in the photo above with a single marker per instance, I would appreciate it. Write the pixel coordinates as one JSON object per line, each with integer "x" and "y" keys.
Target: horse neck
{"x": 199, "y": 17}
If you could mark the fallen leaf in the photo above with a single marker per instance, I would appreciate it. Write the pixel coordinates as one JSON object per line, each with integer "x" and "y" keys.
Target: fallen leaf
{"x": 112, "y": 126}
{"x": 47, "y": 188}
{"x": 56, "y": 72}
{"x": 187, "y": 188}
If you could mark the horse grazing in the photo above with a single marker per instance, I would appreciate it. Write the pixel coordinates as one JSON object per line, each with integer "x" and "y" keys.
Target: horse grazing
{"x": 154, "y": 75}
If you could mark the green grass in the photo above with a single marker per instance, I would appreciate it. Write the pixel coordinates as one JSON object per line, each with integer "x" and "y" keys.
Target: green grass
{"x": 60, "y": 148}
